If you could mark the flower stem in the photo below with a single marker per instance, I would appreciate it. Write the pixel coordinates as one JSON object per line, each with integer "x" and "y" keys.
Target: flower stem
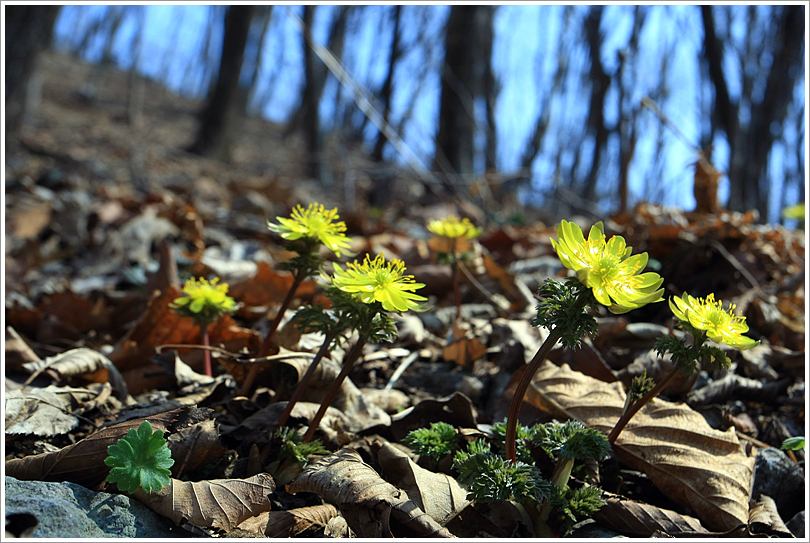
{"x": 247, "y": 385}
{"x": 302, "y": 385}
{"x": 522, "y": 387}
{"x": 207, "y": 355}
{"x": 351, "y": 357}
{"x": 635, "y": 407}
{"x": 456, "y": 288}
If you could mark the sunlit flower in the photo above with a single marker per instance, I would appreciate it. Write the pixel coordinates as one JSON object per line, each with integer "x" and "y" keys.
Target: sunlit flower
{"x": 315, "y": 223}
{"x": 722, "y": 326}
{"x": 453, "y": 227}
{"x": 380, "y": 281}
{"x": 204, "y": 301}
{"x": 607, "y": 267}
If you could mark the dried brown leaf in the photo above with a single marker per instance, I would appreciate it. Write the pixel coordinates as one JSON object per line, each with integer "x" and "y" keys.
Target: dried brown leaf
{"x": 695, "y": 465}
{"x": 87, "y": 363}
{"x": 372, "y": 506}
{"x": 220, "y": 504}
{"x": 437, "y": 494}
{"x": 43, "y": 411}
{"x": 765, "y": 520}
{"x": 642, "y": 519}
{"x": 292, "y": 523}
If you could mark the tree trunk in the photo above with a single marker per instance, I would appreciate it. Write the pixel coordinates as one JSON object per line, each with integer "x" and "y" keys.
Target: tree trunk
{"x": 455, "y": 148}
{"x": 600, "y": 82}
{"x": 220, "y": 117}
{"x": 28, "y": 32}
{"x": 385, "y": 94}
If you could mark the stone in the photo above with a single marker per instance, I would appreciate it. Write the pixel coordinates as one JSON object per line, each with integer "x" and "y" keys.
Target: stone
{"x": 39, "y": 509}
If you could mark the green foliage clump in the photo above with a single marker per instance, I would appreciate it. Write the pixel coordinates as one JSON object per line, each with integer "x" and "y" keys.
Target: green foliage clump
{"x": 435, "y": 442}
{"x": 490, "y": 478}
{"x": 571, "y": 441}
{"x": 140, "y": 459}
{"x": 294, "y": 449}
{"x": 563, "y": 307}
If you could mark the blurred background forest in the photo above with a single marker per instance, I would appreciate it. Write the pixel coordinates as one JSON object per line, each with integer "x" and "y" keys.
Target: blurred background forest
{"x": 580, "y": 109}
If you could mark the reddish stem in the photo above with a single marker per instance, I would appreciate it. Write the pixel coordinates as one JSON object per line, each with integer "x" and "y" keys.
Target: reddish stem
{"x": 353, "y": 355}
{"x": 247, "y": 385}
{"x": 520, "y": 391}
{"x": 456, "y": 290}
{"x": 207, "y": 355}
{"x": 635, "y": 407}
{"x": 302, "y": 385}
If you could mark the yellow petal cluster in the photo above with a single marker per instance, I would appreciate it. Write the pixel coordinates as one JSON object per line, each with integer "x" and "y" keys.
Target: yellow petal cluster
{"x": 314, "y": 222}
{"x": 380, "y": 281}
{"x": 607, "y": 267}
{"x": 205, "y": 301}
{"x": 722, "y": 326}
{"x": 453, "y": 227}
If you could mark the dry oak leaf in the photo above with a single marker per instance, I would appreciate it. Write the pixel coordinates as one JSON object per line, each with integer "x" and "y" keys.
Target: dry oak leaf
{"x": 290, "y": 523}
{"x": 220, "y": 504}
{"x": 437, "y": 494}
{"x": 371, "y": 506}
{"x": 695, "y": 465}
{"x": 87, "y": 363}
{"x": 642, "y": 519}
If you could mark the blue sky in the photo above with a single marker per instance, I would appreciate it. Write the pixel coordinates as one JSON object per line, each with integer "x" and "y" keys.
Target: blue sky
{"x": 522, "y": 57}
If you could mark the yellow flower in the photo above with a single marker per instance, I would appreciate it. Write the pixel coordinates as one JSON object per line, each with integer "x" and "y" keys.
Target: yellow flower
{"x": 452, "y": 227}
{"x": 315, "y": 223}
{"x": 607, "y": 268}
{"x": 204, "y": 301}
{"x": 380, "y": 281}
{"x": 722, "y": 326}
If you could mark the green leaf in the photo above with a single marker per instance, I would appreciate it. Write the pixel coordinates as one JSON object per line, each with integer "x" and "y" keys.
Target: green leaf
{"x": 571, "y": 440}
{"x": 141, "y": 459}
{"x": 490, "y": 478}
{"x": 793, "y": 443}
{"x": 435, "y": 442}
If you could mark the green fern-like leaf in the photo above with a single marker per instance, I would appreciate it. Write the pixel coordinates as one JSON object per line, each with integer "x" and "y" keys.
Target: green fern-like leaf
{"x": 435, "y": 442}
{"x": 140, "y": 459}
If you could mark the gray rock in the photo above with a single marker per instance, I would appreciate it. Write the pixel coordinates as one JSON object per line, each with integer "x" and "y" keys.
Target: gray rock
{"x": 796, "y": 525}
{"x": 779, "y": 477}
{"x": 72, "y": 511}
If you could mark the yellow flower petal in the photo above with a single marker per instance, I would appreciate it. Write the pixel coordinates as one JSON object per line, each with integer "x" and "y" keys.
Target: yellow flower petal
{"x": 721, "y": 325}
{"x": 315, "y": 223}
{"x": 381, "y": 281}
{"x": 607, "y": 267}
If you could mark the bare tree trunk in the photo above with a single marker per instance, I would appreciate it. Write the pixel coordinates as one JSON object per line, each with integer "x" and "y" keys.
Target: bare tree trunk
{"x": 486, "y": 31}
{"x": 600, "y": 82}
{"x": 28, "y": 31}
{"x": 219, "y": 118}
{"x": 387, "y": 89}
{"x": 456, "y": 120}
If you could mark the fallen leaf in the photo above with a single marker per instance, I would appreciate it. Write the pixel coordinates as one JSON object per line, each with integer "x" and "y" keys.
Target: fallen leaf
{"x": 642, "y": 519}
{"x": 221, "y": 504}
{"x": 371, "y": 506}
{"x": 695, "y": 465}
{"x": 87, "y": 363}
{"x": 43, "y": 411}
{"x": 437, "y": 494}
{"x": 292, "y": 523}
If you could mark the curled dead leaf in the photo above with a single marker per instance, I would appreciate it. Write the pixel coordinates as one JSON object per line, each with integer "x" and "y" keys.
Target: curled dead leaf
{"x": 292, "y": 523}
{"x": 437, "y": 494}
{"x": 372, "y": 506}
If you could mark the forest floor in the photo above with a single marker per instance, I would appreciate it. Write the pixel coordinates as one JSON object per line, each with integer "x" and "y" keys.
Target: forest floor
{"x": 105, "y": 220}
